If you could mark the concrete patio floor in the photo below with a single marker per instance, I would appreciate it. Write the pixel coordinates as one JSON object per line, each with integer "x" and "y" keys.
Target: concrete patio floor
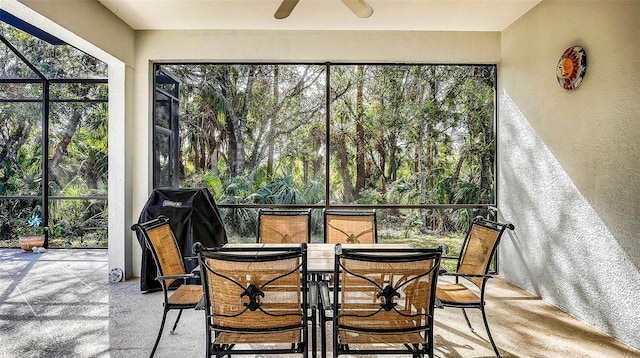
{"x": 60, "y": 304}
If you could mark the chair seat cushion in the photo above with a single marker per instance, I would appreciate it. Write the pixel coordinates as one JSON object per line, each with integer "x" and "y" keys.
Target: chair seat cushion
{"x": 187, "y": 295}
{"x": 456, "y": 293}
{"x": 348, "y": 337}
{"x": 288, "y": 337}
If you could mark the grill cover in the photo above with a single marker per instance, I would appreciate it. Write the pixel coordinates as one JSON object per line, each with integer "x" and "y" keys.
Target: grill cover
{"x": 193, "y": 216}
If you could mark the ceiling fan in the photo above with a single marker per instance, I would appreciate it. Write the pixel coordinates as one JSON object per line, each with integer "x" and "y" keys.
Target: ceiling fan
{"x": 359, "y": 7}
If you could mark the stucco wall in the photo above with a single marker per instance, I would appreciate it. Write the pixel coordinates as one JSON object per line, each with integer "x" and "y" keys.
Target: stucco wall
{"x": 569, "y": 163}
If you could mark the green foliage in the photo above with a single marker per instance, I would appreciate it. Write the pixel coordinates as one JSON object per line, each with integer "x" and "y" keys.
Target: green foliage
{"x": 403, "y": 192}
{"x": 78, "y": 223}
{"x": 237, "y": 219}
{"x": 31, "y": 226}
{"x": 370, "y": 197}
{"x": 281, "y": 190}
{"x": 14, "y": 213}
{"x": 314, "y": 191}
{"x": 214, "y": 182}
{"x": 412, "y": 225}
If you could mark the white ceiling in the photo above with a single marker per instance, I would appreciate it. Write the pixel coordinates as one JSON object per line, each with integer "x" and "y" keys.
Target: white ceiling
{"x": 423, "y": 15}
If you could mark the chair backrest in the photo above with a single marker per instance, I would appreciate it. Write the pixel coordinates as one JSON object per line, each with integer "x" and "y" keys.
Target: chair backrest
{"x": 385, "y": 290}
{"x": 160, "y": 240}
{"x": 254, "y": 291}
{"x": 350, "y": 227}
{"x": 284, "y": 226}
{"x": 478, "y": 248}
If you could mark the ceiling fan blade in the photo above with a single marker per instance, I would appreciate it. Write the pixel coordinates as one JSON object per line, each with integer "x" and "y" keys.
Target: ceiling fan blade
{"x": 359, "y": 7}
{"x": 285, "y": 9}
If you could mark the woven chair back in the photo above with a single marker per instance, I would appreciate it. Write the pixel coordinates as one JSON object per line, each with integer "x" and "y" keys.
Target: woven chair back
{"x": 390, "y": 297}
{"x": 350, "y": 228}
{"x": 283, "y": 228}
{"x": 166, "y": 252}
{"x": 255, "y": 296}
{"x": 479, "y": 247}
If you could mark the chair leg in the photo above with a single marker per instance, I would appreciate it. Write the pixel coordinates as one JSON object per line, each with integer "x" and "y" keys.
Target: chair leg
{"x": 176, "y": 323}
{"x": 323, "y": 333}
{"x": 208, "y": 342}
{"x": 467, "y": 319}
{"x": 486, "y": 325}
{"x": 155, "y": 345}
{"x": 314, "y": 338}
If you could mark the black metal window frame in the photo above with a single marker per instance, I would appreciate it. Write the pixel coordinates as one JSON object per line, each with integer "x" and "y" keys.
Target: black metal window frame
{"x": 328, "y": 204}
{"x": 169, "y": 94}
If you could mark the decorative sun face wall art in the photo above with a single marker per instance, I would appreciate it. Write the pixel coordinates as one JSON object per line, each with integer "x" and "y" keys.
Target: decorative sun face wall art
{"x": 572, "y": 67}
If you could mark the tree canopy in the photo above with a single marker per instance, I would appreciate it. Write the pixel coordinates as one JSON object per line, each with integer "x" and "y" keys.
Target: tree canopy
{"x": 398, "y": 134}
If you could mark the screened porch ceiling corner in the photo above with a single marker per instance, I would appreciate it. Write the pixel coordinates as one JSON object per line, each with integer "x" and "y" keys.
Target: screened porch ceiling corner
{"x": 388, "y": 15}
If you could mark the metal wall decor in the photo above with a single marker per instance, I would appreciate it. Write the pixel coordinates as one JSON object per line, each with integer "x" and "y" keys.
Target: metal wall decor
{"x": 572, "y": 67}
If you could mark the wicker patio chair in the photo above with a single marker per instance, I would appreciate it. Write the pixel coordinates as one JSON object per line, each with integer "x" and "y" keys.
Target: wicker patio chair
{"x": 160, "y": 240}
{"x": 254, "y": 300}
{"x": 350, "y": 227}
{"x": 385, "y": 301}
{"x": 473, "y": 265}
{"x": 284, "y": 226}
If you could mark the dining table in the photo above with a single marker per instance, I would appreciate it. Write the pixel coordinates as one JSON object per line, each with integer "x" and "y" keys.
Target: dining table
{"x": 320, "y": 256}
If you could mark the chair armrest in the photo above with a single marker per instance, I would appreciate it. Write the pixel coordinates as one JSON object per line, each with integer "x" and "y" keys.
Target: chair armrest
{"x": 456, "y": 274}
{"x": 196, "y": 272}
{"x": 451, "y": 257}
{"x": 200, "y": 305}
{"x": 325, "y": 296}
{"x": 176, "y": 277}
{"x": 313, "y": 295}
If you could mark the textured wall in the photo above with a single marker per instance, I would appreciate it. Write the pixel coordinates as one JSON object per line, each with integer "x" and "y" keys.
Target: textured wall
{"x": 569, "y": 163}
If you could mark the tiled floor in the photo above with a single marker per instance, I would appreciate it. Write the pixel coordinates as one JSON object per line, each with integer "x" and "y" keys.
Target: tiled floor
{"x": 60, "y": 304}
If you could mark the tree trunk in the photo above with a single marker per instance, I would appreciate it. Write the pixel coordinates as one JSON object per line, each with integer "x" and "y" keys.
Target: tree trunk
{"x": 237, "y": 118}
{"x": 360, "y": 137}
{"x": 10, "y": 149}
{"x": 393, "y": 159}
{"x": 456, "y": 177}
{"x": 213, "y": 161}
{"x": 486, "y": 168}
{"x": 62, "y": 146}
{"x": 272, "y": 120}
{"x": 343, "y": 165}
{"x": 232, "y": 148}
{"x": 305, "y": 171}
{"x": 428, "y": 163}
